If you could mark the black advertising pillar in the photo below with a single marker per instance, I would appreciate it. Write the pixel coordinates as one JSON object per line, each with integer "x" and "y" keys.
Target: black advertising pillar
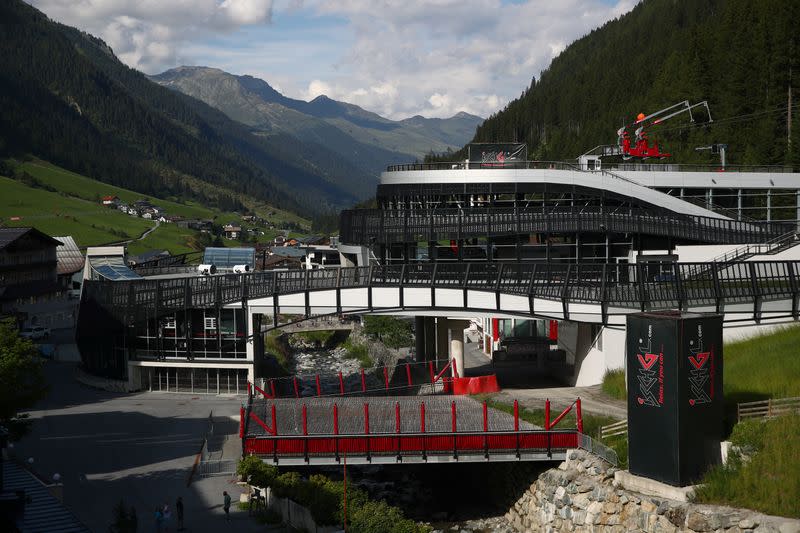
{"x": 675, "y": 403}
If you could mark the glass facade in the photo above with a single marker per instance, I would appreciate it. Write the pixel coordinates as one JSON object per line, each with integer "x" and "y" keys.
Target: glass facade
{"x": 193, "y": 334}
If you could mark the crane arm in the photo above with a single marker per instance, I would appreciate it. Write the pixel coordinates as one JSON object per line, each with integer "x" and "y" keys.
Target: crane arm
{"x": 687, "y": 108}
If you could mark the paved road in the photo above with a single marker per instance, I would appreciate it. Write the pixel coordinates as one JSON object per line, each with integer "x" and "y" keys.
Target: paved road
{"x": 138, "y": 447}
{"x": 537, "y": 389}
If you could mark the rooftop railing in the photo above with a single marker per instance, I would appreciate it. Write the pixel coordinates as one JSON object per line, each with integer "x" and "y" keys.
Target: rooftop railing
{"x": 568, "y": 165}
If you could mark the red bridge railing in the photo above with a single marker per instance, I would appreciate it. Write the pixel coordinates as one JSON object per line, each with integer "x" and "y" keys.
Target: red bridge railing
{"x": 421, "y": 443}
{"x": 290, "y": 387}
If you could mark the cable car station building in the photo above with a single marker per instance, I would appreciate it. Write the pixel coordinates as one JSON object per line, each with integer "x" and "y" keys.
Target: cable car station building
{"x": 494, "y": 237}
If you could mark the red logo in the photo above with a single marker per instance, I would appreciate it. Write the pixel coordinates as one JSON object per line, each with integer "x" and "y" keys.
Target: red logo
{"x": 700, "y": 361}
{"x": 648, "y": 360}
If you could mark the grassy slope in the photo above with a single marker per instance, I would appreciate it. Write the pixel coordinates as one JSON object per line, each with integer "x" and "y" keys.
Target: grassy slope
{"x": 75, "y": 208}
{"x": 60, "y": 215}
{"x": 763, "y": 367}
{"x": 770, "y": 480}
{"x": 82, "y": 187}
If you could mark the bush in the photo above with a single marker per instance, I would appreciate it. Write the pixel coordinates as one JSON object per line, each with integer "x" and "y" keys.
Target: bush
{"x": 256, "y": 472}
{"x": 324, "y": 498}
{"x": 357, "y": 351}
{"x": 614, "y": 384}
{"x": 391, "y": 331}
{"x": 287, "y": 485}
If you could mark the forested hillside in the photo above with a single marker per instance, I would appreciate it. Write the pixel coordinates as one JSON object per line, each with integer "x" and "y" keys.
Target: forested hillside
{"x": 66, "y": 98}
{"x": 740, "y": 55}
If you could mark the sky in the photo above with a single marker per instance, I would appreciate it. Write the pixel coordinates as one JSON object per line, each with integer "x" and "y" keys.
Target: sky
{"x": 398, "y": 58}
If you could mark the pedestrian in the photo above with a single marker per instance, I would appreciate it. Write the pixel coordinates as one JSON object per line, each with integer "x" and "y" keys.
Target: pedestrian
{"x": 167, "y": 517}
{"x": 226, "y": 499}
{"x": 179, "y": 511}
{"x": 159, "y": 519}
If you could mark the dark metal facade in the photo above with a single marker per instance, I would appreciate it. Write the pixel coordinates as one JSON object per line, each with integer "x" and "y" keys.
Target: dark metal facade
{"x": 383, "y": 226}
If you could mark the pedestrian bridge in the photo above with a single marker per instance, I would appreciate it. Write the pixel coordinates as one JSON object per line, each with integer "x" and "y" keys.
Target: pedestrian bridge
{"x": 758, "y": 291}
{"x": 399, "y": 430}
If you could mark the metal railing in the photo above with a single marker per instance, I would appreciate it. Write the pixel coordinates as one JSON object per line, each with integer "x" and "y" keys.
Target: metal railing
{"x": 566, "y": 165}
{"x": 585, "y": 442}
{"x": 368, "y": 226}
{"x": 643, "y": 286}
{"x": 749, "y": 250}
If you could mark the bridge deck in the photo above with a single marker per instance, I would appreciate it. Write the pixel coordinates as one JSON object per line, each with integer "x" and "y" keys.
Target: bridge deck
{"x": 382, "y": 415}
{"x": 394, "y": 430}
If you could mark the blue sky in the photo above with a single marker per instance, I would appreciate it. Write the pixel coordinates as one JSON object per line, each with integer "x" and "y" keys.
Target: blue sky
{"x": 396, "y": 58}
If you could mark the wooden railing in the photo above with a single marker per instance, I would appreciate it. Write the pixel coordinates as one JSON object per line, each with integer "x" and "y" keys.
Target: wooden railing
{"x": 617, "y": 428}
{"x": 768, "y": 408}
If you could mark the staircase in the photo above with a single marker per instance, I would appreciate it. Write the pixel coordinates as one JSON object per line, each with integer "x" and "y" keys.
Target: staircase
{"x": 778, "y": 244}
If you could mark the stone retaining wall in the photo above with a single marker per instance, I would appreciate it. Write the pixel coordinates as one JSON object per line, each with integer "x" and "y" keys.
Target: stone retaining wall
{"x": 582, "y": 495}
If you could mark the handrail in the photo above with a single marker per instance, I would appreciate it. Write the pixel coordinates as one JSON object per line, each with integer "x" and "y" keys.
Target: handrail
{"x": 559, "y": 165}
{"x": 748, "y": 250}
{"x": 623, "y": 285}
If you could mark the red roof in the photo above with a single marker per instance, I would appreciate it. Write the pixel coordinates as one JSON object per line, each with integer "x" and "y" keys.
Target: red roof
{"x": 110, "y": 198}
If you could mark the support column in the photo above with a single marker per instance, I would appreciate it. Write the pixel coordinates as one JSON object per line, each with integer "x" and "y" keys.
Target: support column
{"x": 442, "y": 340}
{"x": 419, "y": 338}
{"x": 455, "y": 329}
{"x": 739, "y": 204}
{"x": 769, "y": 205}
{"x": 797, "y": 215}
{"x": 430, "y": 338}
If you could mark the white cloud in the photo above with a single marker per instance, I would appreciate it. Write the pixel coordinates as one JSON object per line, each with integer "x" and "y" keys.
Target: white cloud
{"x": 149, "y": 34}
{"x": 396, "y": 58}
{"x": 445, "y": 56}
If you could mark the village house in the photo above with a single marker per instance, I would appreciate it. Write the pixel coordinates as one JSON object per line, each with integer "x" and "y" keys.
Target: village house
{"x": 110, "y": 201}
{"x": 231, "y": 231}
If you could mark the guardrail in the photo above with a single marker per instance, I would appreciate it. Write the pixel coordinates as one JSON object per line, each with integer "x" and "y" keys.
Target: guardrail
{"x": 585, "y": 442}
{"x": 565, "y": 165}
{"x": 768, "y": 408}
{"x": 640, "y": 286}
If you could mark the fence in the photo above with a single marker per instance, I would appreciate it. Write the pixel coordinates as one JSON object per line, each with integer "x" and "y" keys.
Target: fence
{"x": 617, "y": 428}
{"x": 585, "y": 442}
{"x": 768, "y": 408}
{"x": 415, "y": 378}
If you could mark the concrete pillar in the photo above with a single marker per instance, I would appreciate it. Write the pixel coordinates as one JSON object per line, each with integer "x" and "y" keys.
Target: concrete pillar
{"x": 739, "y": 204}
{"x": 769, "y": 205}
{"x": 456, "y": 331}
{"x": 419, "y": 337}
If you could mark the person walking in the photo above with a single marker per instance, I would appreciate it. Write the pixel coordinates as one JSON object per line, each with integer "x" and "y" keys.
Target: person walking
{"x": 167, "y": 517}
{"x": 179, "y": 511}
{"x": 159, "y": 519}
{"x": 226, "y": 499}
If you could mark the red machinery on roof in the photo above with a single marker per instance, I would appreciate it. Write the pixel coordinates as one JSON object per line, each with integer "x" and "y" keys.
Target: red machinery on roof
{"x": 641, "y": 147}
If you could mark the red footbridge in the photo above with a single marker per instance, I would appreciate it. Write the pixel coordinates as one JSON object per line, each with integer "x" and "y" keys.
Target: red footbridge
{"x": 391, "y": 429}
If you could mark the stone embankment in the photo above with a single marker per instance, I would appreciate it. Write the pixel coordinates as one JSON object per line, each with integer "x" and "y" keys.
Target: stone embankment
{"x": 582, "y": 495}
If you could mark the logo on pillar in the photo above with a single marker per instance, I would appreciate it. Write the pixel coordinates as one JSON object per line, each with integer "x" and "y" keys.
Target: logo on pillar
{"x": 650, "y": 376}
{"x": 701, "y": 371}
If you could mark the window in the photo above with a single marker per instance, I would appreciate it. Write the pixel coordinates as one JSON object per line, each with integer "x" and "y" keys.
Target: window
{"x": 210, "y": 323}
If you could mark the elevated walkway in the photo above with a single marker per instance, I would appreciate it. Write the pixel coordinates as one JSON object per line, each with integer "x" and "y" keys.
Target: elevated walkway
{"x": 590, "y": 292}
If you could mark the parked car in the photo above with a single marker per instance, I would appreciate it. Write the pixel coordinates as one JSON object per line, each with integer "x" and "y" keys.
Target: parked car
{"x": 35, "y": 332}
